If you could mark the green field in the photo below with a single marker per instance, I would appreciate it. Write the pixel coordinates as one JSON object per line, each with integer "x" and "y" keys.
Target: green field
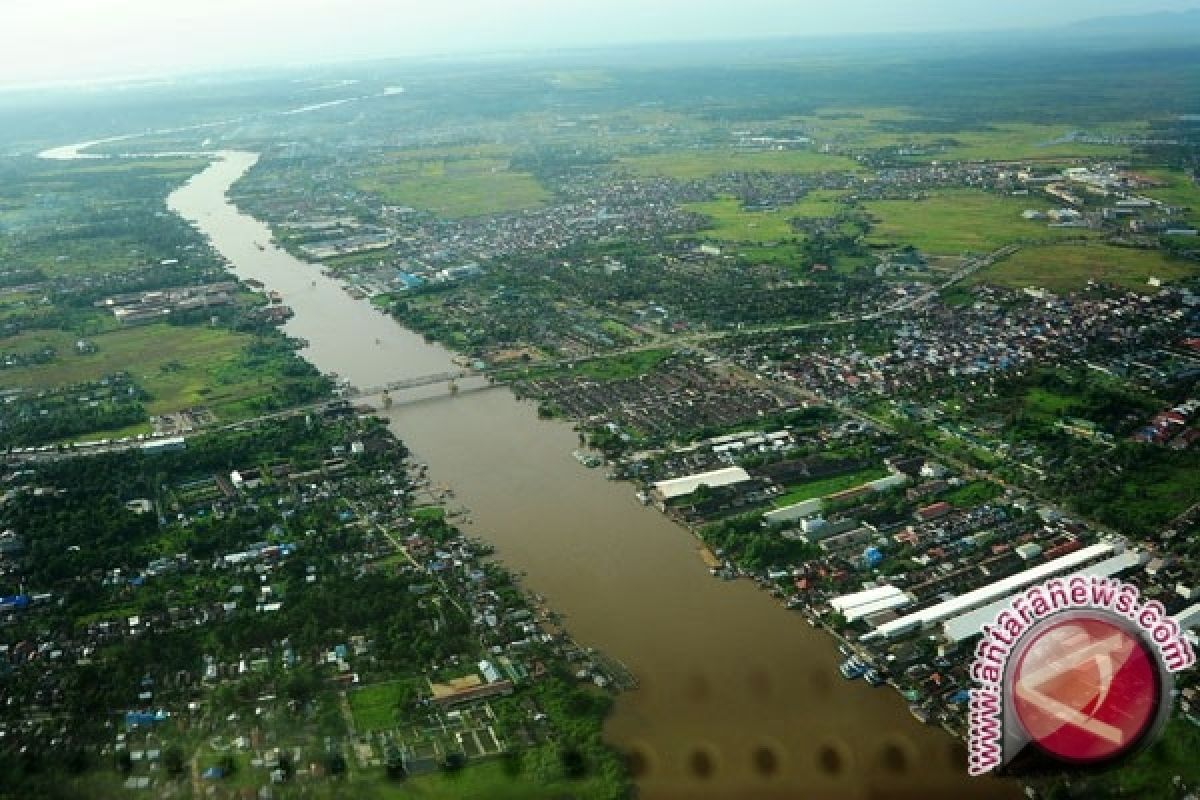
{"x": 952, "y": 222}
{"x": 875, "y": 128}
{"x": 1181, "y": 192}
{"x": 454, "y": 182}
{"x": 731, "y": 222}
{"x": 435, "y": 513}
{"x": 374, "y": 707}
{"x": 798, "y": 493}
{"x": 1021, "y": 141}
{"x": 180, "y": 367}
{"x": 698, "y": 164}
{"x": 1062, "y": 268}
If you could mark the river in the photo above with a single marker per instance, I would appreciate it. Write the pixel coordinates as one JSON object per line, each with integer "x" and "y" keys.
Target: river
{"x": 738, "y": 697}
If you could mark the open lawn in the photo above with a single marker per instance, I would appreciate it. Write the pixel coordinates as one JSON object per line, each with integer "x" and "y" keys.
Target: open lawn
{"x": 697, "y": 164}
{"x": 732, "y": 223}
{"x": 374, "y": 707}
{"x": 1019, "y": 142}
{"x": 798, "y": 493}
{"x": 629, "y": 365}
{"x": 875, "y": 128}
{"x": 454, "y": 184}
{"x": 1063, "y": 268}
{"x": 179, "y": 367}
{"x": 1181, "y": 192}
{"x": 951, "y": 222}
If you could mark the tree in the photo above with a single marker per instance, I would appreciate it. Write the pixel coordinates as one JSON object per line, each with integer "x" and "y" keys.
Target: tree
{"x": 394, "y": 765}
{"x": 335, "y": 763}
{"x": 173, "y": 761}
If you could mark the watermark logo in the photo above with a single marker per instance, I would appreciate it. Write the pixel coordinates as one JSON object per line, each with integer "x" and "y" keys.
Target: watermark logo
{"x": 1079, "y": 668}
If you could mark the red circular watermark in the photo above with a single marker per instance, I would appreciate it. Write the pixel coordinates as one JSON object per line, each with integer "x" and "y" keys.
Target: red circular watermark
{"x": 1086, "y": 689}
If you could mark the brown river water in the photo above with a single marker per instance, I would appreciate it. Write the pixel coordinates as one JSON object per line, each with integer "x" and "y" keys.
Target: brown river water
{"x": 737, "y": 697}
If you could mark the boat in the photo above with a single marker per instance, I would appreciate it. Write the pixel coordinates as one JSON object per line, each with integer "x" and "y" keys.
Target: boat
{"x": 874, "y": 678}
{"x": 587, "y": 459}
{"x": 920, "y": 713}
{"x": 852, "y": 668}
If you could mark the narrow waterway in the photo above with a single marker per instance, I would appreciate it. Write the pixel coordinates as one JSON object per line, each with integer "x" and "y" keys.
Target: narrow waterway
{"x": 738, "y": 697}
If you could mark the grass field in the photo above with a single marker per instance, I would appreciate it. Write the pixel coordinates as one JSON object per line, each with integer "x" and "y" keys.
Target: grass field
{"x": 873, "y": 128}
{"x": 1062, "y": 268}
{"x": 1021, "y": 141}
{"x": 951, "y": 222}
{"x": 826, "y": 486}
{"x": 454, "y": 182}
{"x": 374, "y": 707}
{"x": 179, "y": 366}
{"x": 696, "y": 164}
{"x": 731, "y": 222}
{"x": 1182, "y": 192}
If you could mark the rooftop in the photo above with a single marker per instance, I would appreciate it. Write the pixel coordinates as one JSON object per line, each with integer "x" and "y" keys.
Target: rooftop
{"x": 681, "y": 487}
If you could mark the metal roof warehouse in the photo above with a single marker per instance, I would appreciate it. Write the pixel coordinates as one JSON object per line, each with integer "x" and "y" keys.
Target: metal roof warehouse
{"x": 682, "y": 487}
{"x": 987, "y": 594}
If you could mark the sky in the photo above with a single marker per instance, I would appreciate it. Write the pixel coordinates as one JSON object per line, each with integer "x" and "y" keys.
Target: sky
{"x": 68, "y": 40}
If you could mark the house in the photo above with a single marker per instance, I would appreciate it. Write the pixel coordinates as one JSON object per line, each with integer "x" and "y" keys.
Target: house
{"x": 467, "y": 689}
{"x": 932, "y": 512}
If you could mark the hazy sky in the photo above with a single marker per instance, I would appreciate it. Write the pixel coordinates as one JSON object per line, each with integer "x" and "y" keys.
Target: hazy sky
{"x": 50, "y": 40}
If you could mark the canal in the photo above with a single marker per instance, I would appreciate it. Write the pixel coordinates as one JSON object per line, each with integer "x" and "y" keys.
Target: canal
{"x": 737, "y": 697}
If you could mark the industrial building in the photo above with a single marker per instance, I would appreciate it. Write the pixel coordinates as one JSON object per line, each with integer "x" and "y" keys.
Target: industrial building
{"x": 666, "y": 491}
{"x": 871, "y": 601}
{"x": 969, "y": 625}
{"x": 985, "y": 595}
{"x": 783, "y": 516}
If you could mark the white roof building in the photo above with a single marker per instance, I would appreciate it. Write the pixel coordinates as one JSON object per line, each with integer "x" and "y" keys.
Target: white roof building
{"x": 782, "y": 516}
{"x": 971, "y": 624}
{"x": 863, "y": 604}
{"x": 894, "y": 481}
{"x": 991, "y": 592}
{"x": 682, "y": 487}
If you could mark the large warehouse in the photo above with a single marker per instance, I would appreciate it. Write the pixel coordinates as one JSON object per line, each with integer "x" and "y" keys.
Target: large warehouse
{"x": 872, "y": 601}
{"x": 970, "y": 625}
{"x": 984, "y": 595}
{"x": 666, "y": 491}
